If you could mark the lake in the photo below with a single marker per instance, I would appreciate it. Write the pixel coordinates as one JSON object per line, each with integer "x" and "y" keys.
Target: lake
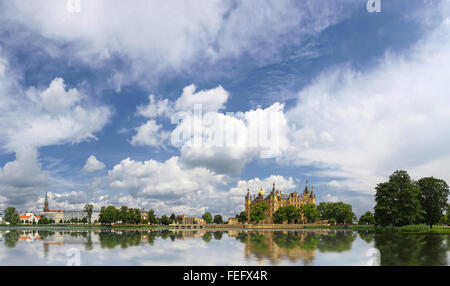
{"x": 65, "y": 246}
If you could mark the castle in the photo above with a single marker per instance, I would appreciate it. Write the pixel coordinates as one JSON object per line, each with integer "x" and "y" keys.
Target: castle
{"x": 277, "y": 199}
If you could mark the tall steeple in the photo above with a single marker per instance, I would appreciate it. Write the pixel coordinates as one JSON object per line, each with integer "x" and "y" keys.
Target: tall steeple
{"x": 46, "y": 203}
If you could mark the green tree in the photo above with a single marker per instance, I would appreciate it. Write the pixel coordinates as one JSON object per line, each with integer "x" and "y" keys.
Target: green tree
{"x": 258, "y": 212}
{"x": 124, "y": 214}
{"x": 433, "y": 199}
{"x": 243, "y": 217}
{"x": 84, "y": 220}
{"x": 280, "y": 215}
{"x": 310, "y": 211}
{"x": 445, "y": 220}
{"x": 345, "y": 215}
{"x": 43, "y": 220}
{"x": 109, "y": 215}
{"x": 152, "y": 217}
{"x": 12, "y": 216}
{"x": 165, "y": 220}
{"x": 367, "y": 218}
{"x": 88, "y": 208}
{"x": 207, "y": 218}
{"x": 338, "y": 211}
{"x": 137, "y": 216}
{"x": 218, "y": 219}
{"x": 287, "y": 213}
{"x": 173, "y": 218}
{"x": 397, "y": 201}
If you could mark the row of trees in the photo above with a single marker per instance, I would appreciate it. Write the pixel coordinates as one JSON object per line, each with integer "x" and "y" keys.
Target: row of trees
{"x": 207, "y": 217}
{"x": 111, "y": 215}
{"x": 337, "y": 212}
{"x": 402, "y": 201}
{"x": 286, "y": 213}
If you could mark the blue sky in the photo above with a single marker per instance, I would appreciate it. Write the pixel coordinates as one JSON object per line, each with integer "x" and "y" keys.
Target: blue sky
{"x": 88, "y": 97}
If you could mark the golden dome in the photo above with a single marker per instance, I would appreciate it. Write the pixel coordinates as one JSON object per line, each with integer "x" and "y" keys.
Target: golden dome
{"x": 261, "y": 192}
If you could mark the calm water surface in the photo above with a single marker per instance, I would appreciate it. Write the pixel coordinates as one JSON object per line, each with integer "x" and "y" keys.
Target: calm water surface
{"x": 231, "y": 247}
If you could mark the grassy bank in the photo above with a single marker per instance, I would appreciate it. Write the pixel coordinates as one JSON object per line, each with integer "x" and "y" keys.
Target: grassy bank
{"x": 405, "y": 229}
{"x": 419, "y": 228}
{"x": 356, "y": 227}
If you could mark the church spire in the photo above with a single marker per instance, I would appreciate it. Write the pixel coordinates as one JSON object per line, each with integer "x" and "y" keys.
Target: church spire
{"x": 46, "y": 203}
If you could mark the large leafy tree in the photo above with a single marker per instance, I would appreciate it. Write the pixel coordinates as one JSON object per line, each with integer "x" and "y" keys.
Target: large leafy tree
{"x": 345, "y": 215}
{"x": 367, "y": 218}
{"x": 243, "y": 216}
{"x": 207, "y": 217}
{"x": 88, "y": 209}
{"x": 433, "y": 199}
{"x": 109, "y": 215}
{"x": 258, "y": 212}
{"x": 165, "y": 220}
{"x": 124, "y": 214}
{"x": 134, "y": 216}
{"x": 310, "y": 211}
{"x": 397, "y": 201}
{"x": 218, "y": 219}
{"x": 339, "y": 212}
{"x": 279, "y": 216}
{"x": 287, "y": 213}
{"x": 12, "y": 216}
{"x": 152, "y": 217}
{"x": 173, "y": 218}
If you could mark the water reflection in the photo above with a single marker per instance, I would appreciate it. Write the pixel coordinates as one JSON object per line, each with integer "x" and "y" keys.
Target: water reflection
{"x": 407, "y": 249}
{"x": 230, "y": 247}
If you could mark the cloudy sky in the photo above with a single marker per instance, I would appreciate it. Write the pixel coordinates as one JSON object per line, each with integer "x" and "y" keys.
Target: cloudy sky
{"x": 96, "y": 100}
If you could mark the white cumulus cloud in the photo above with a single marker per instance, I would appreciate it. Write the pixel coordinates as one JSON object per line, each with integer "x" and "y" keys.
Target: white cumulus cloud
{"x": 93, "y": 165}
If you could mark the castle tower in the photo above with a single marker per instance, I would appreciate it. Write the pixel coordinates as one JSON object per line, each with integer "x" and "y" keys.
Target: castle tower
{"x": 46, "y": 203}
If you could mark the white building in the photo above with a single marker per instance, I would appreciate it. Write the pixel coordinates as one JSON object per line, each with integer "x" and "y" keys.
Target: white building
{"x": 29, "y": 218}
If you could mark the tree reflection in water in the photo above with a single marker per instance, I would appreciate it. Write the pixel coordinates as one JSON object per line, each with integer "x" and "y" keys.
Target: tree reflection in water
{"x": 275, "y": 246}
{"x": 412, "y": 249}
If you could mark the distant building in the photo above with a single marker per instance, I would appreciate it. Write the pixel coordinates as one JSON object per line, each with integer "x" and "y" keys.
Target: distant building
{"x": 56, "y": 215}
{"x": 62, "y": 216}
{"x": 29, "y": 218}
{"x": 192, "y": 220}
{"x": 277, "y": 199}
{"x": 233, "y": 220}
{"x": 68, "y": 215}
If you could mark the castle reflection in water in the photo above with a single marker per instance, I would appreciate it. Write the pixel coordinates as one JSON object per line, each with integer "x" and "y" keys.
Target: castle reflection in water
{"x": 272, "y": 245}
{"x": 301, "y": 247}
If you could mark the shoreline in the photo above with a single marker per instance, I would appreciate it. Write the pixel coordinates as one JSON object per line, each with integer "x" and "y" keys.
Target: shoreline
{"x": 412, "y": 229}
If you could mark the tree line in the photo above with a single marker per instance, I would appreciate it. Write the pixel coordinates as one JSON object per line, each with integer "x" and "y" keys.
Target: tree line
{"x": 403, "y": 201}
